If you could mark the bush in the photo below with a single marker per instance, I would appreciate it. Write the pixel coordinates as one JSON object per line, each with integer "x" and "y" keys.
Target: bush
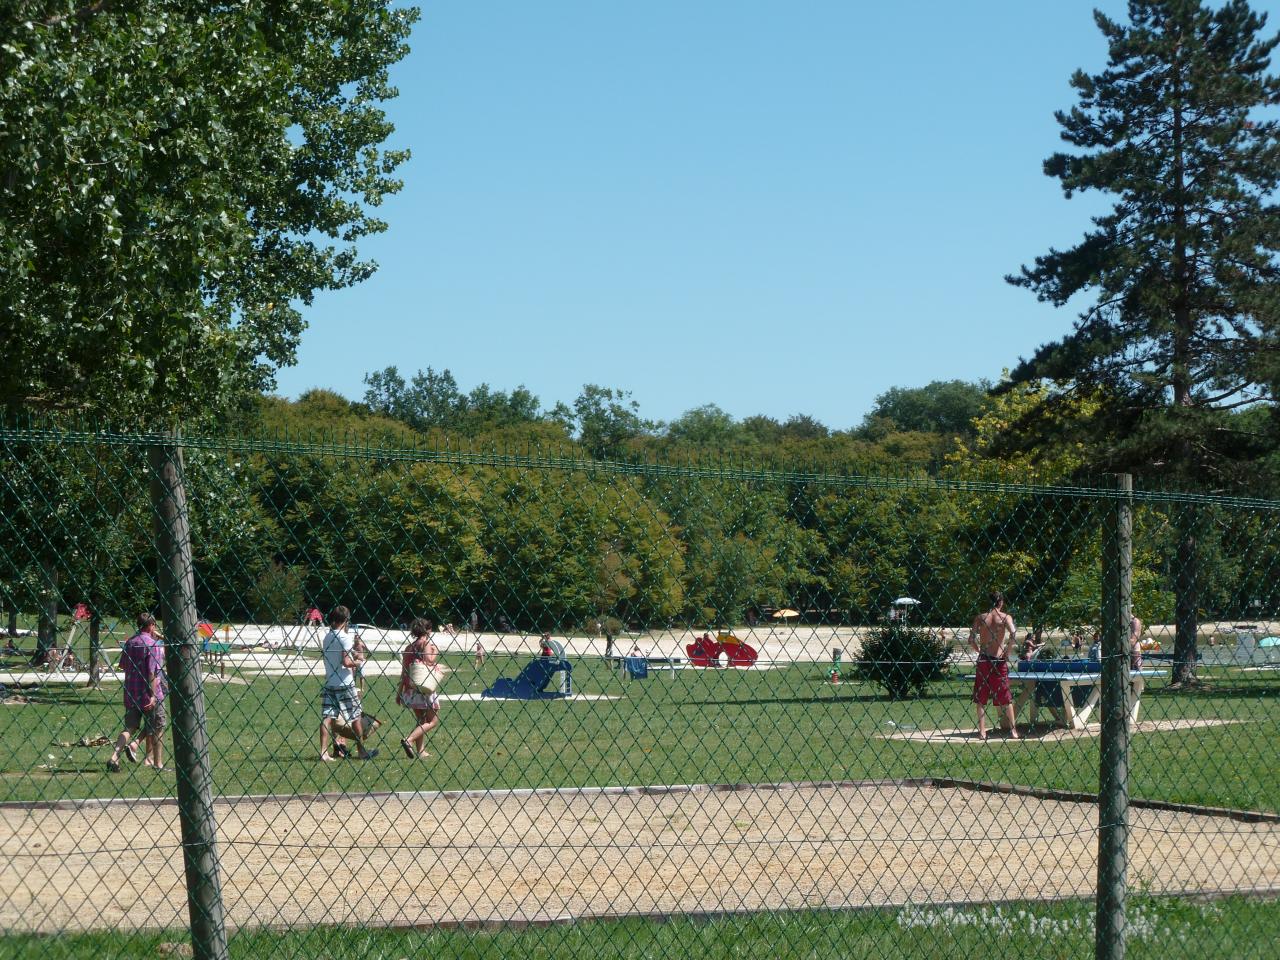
{"x": 277, "y": 596}
{"x": 902, "y": 659}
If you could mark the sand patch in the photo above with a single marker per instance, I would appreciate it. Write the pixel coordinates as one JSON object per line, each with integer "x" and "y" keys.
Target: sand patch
{"x": 488, "y": 856}
{"x": 1043, "y": 732}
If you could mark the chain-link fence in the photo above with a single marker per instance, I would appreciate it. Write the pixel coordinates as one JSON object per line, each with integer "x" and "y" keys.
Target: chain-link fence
{"x": 657, "y": 710}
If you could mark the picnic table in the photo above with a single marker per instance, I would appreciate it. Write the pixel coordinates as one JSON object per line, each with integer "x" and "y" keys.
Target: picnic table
{"x": 637, "y": 667}
{"x": 1071, "y": 689}
{"x": 215, "y": 655}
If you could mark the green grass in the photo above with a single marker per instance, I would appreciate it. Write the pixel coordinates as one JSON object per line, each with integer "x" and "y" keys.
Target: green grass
{"x": 1159, "y": 929}
{"x": 698, "y": 726}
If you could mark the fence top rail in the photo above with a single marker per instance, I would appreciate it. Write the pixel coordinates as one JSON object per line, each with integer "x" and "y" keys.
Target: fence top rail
{"x": 536, "y": 458}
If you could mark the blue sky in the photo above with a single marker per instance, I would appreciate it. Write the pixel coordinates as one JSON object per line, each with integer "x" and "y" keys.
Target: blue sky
{"x": 776, "y": 207}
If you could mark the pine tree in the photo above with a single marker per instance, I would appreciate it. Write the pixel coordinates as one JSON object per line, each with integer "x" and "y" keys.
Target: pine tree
{"x": 1181, "y": 328}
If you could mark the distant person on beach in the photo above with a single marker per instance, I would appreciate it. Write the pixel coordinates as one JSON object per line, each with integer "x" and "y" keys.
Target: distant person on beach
{"x": 1135, "y": 642}
{"x": 479, "y": 650}
{"x": 425, "y": 703}
{"x": 142, "y": 661}
{"x": 340, "y": 711}
{"x": 313, "y": 619}
{"x": 992, "y": 635}
{"x": 1030, "y": 647}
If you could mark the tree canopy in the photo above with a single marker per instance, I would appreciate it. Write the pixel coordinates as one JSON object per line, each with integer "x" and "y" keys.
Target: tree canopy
{"x": 1183, "y": 314}
{"x": 178, "y": 178}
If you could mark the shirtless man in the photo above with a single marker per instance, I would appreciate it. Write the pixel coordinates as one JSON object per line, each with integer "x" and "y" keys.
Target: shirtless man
{"x": 1135, "y": 642}
{"x": 992, "y": 636}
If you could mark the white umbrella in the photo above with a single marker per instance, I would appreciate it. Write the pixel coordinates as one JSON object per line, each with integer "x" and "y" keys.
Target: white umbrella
{"x": 906, "y": 602}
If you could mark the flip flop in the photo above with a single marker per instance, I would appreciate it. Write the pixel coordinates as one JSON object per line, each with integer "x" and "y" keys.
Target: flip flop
{"x": 132, "y": 751}
{"x": 408, "y": 750}
{"x": 368, "y": 754}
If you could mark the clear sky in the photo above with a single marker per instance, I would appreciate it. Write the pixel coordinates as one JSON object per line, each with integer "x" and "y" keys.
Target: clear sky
{"x": 777, "y": 207}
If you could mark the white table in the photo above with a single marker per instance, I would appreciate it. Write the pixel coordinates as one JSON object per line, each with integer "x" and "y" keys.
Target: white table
{"x": 1073, "y": 717}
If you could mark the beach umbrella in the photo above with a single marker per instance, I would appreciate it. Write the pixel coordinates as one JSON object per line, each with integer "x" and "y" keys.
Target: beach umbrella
{"x": 785, "y": 614}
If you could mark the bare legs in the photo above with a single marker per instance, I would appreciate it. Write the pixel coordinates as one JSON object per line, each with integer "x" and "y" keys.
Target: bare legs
{"x": 415, "y": 743}
{"x": 122, "y": 744}
{"x": 357, "y": 731}
{"x": 1010, "y": 724}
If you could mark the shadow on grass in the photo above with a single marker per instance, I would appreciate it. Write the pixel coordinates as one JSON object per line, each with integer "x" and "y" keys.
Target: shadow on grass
{"x": 1213, "y": 691}
{"x": 768, "y": 701}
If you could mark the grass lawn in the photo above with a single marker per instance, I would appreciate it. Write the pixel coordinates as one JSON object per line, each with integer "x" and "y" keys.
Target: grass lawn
{"x": 695, "y": 726}
{"x": 1159, "y": 929}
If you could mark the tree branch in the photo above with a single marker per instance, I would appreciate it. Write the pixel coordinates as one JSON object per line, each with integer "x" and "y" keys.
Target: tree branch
{"x": 80, "y": 14}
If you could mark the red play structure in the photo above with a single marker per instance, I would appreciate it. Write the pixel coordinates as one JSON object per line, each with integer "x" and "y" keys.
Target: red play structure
{"x": 705, "y": 652}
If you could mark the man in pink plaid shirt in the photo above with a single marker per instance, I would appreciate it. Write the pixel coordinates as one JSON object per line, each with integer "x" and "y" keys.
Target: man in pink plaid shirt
{"x": 142, "y": 661}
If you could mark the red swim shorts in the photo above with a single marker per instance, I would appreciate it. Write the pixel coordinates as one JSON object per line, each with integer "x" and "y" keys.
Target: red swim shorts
{"x": 991, "y": 685}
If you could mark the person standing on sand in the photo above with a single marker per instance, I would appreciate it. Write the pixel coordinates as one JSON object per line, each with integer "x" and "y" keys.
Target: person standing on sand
{"x": 992, "y": 636}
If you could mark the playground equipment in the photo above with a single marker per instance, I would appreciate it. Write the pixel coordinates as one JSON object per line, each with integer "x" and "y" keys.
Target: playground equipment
{"x": 63, "y": 658}
{"x": 705, "y": 652}
{"x": 533, "y": 681}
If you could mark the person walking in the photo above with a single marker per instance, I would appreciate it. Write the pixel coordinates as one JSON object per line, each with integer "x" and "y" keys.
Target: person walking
{"x": 142, "y": 660}
{"x": 341, "y": 714}
{"x": 423, "y": 654}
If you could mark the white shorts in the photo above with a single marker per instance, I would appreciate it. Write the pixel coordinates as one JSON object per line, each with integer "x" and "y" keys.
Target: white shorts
{"x": 341, "y": 704}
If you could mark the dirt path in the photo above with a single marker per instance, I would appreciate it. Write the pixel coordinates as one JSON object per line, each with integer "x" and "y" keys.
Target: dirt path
{"x": 420, "y": 859}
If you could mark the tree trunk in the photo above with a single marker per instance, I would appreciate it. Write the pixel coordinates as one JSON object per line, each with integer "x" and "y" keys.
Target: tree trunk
{"x": 1186, "y": 579}
{"x": 95, "y": 648}
{"x": 13, "y": 623}
{"x": 47, "y": 632}
{"x": 1186, "y": 588}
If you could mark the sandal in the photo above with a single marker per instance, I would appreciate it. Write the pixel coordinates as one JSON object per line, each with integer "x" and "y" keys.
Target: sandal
{"x": 113, "y": 766}
{"x": 132, "y": 751}
{"x": 408, "y": 750}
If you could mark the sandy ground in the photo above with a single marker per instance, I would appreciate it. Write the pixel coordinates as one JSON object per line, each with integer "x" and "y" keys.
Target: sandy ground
{"x": 1043, "y": 732}
{"x": 294, "y": 649}
{"x": 522, "y": 855}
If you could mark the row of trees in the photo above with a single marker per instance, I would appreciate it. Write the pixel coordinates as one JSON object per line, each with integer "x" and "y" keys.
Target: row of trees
{"x": 607, "y": 421}
{"x": 540, "y": 544}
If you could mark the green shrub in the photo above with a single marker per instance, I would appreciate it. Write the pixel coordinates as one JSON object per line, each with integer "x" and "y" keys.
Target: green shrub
{"x": 902, "y": 659}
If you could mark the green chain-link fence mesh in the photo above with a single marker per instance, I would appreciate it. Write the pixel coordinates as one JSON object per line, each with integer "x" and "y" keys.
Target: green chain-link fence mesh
{"x": 681, "y": 711}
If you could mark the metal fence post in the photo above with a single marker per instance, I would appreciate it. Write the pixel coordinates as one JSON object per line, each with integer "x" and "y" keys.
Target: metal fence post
{"x": 190, "y": 734}
{"x": 1113, "y": 775}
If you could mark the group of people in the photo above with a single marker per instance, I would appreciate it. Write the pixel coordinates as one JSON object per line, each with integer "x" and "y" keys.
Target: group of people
{"x": 343, "y": 721}
{"x": 993, "y": 635}
{"x": 342, "y": 716}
